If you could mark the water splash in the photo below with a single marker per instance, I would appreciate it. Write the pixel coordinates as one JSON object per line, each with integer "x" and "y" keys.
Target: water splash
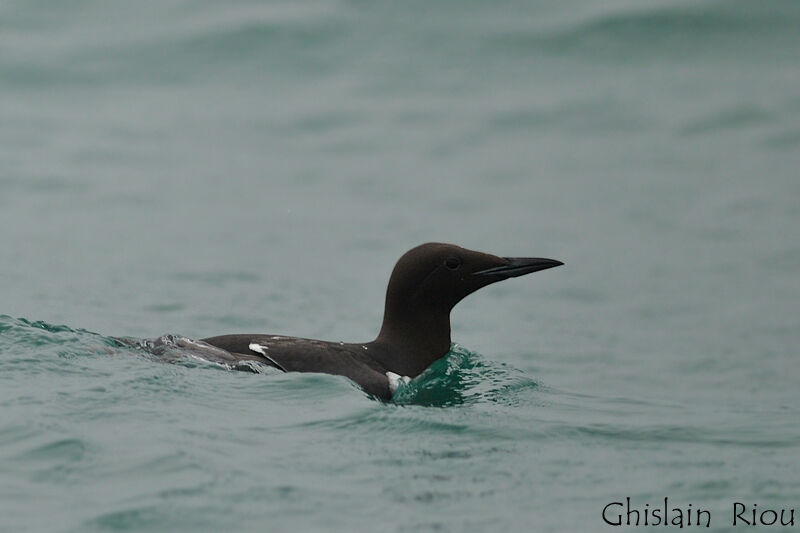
{"x": 26, "y": 341}
{"x": 171, "y": 348}
{"x": 464, "y": 377}
{"x": 461, "y": 377}
{"x": 21, "y": 333}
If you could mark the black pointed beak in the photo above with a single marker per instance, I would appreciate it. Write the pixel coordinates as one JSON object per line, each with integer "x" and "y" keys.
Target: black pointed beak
{"x": 518, "y": 266}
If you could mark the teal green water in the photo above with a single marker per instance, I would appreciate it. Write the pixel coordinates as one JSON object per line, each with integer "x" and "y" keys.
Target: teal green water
{"x": 199, "y": 168}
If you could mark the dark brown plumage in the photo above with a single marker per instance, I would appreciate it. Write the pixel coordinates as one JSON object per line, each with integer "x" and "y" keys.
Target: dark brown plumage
{"x": 427, "y": 282}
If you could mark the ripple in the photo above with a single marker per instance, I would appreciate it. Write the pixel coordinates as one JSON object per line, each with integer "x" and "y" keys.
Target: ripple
{"x": 218, "y": 278}
{"x": 69, "y": 449}
{"x": 679, "y": 32}
{"x": 737, "y": 117}
{"x": 785, "y": 140}
{"x": 464, "y": 377}
{"x": 134, "y": 519}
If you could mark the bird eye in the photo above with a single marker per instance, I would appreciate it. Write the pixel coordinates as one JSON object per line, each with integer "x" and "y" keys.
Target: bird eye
{"x": 453, "y": 263}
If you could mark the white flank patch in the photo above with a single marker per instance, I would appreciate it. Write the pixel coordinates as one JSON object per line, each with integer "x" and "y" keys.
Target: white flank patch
{"x": 395, "y": 380}
{"x": 257, "y": 348}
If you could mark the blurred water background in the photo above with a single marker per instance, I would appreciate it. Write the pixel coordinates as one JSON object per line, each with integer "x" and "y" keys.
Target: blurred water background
{"x": 199, "y": 168}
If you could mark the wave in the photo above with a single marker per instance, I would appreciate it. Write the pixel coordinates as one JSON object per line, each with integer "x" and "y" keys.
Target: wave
{"x": 38, "y": 333}
{"x": 461, "y": 377}
{"x": 676, "y": 31}
{"x": 28, "y": 341}
{"x": 464, "y": 377}
{"x": 197, "y": 43}
{"x": 242, "y": 43}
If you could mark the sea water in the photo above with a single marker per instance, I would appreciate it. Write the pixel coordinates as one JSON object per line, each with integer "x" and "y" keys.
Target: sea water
{"x": 196, "y": 168}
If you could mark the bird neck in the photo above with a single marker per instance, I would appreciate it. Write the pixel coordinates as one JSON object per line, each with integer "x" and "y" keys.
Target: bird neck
{"x": 411, "y": 339}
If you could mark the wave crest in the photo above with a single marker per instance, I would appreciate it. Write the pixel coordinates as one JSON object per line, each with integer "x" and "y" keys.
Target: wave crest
{"x": 464, "y": 377}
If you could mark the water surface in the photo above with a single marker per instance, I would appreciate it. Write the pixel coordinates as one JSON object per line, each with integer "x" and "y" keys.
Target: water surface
{"x": 195, "y": 168}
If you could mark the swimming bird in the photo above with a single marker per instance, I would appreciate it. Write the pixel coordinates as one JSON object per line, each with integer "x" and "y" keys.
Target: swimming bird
{"x": 425, "y": 285}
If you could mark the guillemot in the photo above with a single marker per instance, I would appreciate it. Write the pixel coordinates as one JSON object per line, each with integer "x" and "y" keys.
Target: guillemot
{"x": 425, "y": 285}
